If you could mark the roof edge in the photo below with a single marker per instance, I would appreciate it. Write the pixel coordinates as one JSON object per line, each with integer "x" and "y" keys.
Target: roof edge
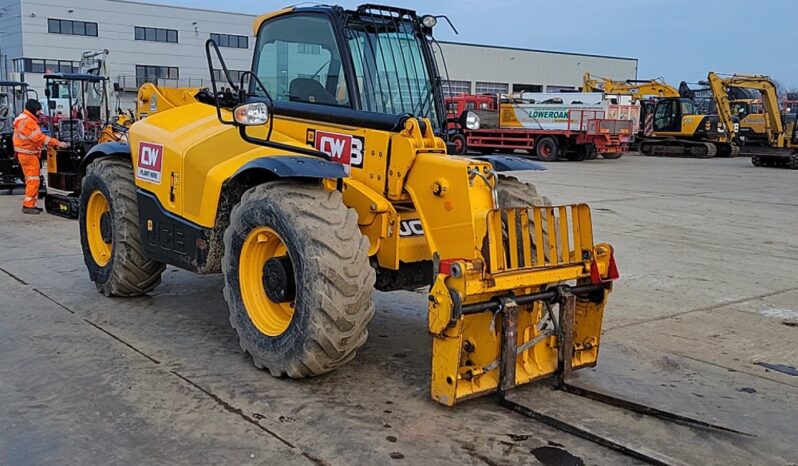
{"x": 522, "y": 49}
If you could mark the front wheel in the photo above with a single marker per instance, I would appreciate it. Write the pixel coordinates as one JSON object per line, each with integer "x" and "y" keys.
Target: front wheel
{"x": 547, "y": 149}
{"x": 110, "y": 234}
{"x": 298, "y": 281}
{"x": 459, "y": 142}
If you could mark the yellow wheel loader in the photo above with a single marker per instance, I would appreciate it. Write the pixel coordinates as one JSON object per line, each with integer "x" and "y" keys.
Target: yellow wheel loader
{"x": 320, "y": 176}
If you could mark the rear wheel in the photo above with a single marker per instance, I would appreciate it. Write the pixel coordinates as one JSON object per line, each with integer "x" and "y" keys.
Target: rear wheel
{"x": 459, "y": 142}
{"x": 109, "y": 231}
{"x": 297, "y": 278}
{"x": 583, "y": 152}
{"x": 612, "y": 155}
{"x": 547, "y": 149}
{"x": 513, "y": 193}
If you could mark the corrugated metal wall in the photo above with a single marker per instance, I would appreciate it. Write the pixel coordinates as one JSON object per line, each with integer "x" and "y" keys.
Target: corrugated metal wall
{"x": 496, "y": 65}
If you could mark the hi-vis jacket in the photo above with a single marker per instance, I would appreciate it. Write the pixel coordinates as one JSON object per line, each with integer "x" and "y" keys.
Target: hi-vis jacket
{"x": 28, "y": 136}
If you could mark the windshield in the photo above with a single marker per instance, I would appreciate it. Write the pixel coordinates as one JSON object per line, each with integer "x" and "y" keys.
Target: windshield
{"x": 390, "y": 67}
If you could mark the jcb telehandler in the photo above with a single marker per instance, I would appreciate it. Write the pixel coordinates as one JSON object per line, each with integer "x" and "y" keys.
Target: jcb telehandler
{"x": 324, "y": 179}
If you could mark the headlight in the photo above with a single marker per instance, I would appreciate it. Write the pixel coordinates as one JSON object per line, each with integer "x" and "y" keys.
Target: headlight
{"x": 737, "y": 127}
{"x": 472, "y": 120}
{"x": 251, "y": 114}
{"x": 429, "y": 21}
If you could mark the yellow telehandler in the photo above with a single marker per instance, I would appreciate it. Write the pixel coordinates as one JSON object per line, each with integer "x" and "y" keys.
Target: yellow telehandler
{"x": 319, "y": 176}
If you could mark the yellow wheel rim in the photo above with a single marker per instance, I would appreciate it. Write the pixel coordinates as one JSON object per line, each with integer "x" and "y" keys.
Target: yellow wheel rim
{"x": 96, "y": 209}
{"x": 269, "y": 317}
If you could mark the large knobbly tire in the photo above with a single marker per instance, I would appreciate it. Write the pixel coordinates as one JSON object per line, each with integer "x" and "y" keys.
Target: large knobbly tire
{"x": 333, "y": 278}
{"x": 129, "y": 272}
{"x": 513, "y": 193}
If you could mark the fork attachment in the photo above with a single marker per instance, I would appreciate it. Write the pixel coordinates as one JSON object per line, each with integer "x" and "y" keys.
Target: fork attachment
{"x": 493, "y": 319}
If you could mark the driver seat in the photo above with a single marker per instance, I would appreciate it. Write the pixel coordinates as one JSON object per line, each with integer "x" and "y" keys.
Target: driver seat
{"x": 310, "y": 90}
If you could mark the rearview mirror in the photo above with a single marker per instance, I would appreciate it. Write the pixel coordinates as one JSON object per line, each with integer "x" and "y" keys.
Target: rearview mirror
{"x": 47, "y": 93}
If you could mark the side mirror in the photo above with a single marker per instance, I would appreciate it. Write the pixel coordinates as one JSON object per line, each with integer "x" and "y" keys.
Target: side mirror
{"x": 50, "y": 104}
{"x": 254, "y": 114}
{"x": 47, "y": 92}
{"x": 117, "y": 87}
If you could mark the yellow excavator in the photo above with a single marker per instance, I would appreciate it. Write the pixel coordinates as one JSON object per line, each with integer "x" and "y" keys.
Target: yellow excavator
{"x": 671, "y": 126}
{"x": 782, "y": 140}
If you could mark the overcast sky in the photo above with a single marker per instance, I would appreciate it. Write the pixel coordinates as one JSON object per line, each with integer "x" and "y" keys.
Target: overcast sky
{"x": 675, "y": 39}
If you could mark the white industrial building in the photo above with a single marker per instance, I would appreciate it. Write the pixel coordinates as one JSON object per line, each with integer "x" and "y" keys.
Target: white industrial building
{"x": 165, "y": 44}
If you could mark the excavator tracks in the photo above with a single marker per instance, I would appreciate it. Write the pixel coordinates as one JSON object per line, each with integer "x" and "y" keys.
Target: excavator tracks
{"x": 687, "y": 149}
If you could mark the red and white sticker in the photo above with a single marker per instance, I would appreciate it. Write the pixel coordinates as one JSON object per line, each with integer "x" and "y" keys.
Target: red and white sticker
{"x": 342, "y": 148}
{"x": 150, "y": 160}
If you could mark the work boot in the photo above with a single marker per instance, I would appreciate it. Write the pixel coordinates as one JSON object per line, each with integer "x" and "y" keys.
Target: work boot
{"x": 31, "y": 210}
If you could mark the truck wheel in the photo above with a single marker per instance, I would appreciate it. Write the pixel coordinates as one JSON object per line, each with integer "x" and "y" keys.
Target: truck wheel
{"x": 612, "y": 155}
{"x": 459, "y": 142}
{"x": 583, "y": 152}
{"x": 109, "y": 231}
{"x": 547, "y": 149}
{"x": 297, "y": 278}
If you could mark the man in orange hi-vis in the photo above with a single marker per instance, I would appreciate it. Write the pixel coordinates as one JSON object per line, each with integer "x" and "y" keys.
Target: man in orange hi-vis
{"x": 28, "y": 144}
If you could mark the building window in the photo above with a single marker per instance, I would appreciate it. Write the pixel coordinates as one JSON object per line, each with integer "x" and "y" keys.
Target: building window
{"x": 527, "y": 88}
{"x": 39, "y": 65}
{"x": 230, "y": 40}
{"x": 491, "y": 88}
{"x": 152, "y": 74}
{"x": 309, "y": 49}
{"x": 74, "y": 28}
{"x": 235, "y": 75}
{"x": 452, "y": 88}
{"x": 551, "y": 88}
{"x": 155, "y": 34}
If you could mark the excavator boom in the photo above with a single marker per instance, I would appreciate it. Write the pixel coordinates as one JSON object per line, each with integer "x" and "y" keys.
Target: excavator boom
{"x": 638, "y": 89}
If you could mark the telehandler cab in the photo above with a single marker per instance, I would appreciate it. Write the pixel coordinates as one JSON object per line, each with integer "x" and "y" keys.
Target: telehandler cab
{"x": 323, "y": 179}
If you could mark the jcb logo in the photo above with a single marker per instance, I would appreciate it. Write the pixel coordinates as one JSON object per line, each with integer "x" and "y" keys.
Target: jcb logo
{"x": 150, "y": 161}
{"x": 411, "y": 227}
{"x": 342, "y": 148}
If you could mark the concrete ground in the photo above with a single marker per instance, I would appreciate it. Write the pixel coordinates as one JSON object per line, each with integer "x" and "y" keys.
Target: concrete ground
{"x": 704, "y": 322}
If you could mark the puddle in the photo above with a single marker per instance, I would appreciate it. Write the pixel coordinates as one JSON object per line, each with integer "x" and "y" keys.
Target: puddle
{"x": 778, "y": 313}
{"x": 783, "y": 368}
{"x": 552, "y": 456}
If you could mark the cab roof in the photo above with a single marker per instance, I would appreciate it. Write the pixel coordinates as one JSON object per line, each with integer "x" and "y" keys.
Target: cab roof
{"x": 369, "y": 8}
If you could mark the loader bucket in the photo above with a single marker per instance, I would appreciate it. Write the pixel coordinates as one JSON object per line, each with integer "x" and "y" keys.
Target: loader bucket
{"x": 531, "y": 308}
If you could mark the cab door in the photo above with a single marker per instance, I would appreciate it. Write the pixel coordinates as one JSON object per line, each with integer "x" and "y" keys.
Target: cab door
{"x": 667, "y": 116}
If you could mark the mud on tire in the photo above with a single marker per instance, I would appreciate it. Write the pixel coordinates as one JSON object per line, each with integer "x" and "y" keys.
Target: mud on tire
{"x": 129, "y": 272}
{"x": 333, "y": 278}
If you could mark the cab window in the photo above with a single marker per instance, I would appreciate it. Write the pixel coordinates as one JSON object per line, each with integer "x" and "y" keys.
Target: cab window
{"x": 297, "y": 59}
{"x": 688, "y": 108}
